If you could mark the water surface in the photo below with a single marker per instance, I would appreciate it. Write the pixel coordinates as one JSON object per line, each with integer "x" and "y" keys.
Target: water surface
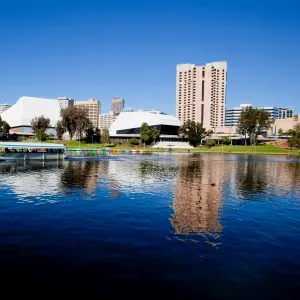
{"x": 179, "y": 225}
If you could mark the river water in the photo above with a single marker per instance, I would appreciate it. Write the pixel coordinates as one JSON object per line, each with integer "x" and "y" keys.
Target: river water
{"x": 169, "y": 225}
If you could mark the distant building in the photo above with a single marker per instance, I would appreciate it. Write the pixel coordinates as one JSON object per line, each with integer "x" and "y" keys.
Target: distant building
{"x": 232, "y": 115}
{"x": 127, "y": 110}
{"x": 93, "y": 108}
{"x": 4, "y": 107}
{"x": 65, "y": 102}
{"x": 201, "y": 93}
{"x": 117, "y": 105}
{"x": 106, "y": 120}
{"x": 272, "y": 110}
{"x": 284, "y": 124}
{"x": 285, "y": 113}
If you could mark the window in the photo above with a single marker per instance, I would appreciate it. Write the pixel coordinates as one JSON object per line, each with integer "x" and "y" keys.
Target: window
{"x": 202, "y": 90}
{"x": 203, "y": 74}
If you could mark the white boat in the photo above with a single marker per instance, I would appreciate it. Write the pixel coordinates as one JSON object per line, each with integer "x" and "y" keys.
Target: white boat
{"x": 31, "y": 151}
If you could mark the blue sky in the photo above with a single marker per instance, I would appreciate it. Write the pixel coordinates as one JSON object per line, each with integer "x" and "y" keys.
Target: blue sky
{"x": 105, "y": 49}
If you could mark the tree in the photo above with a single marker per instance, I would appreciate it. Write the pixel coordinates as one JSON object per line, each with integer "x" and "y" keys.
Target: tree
{"x": 74, "y": 119}
{"x": 193, "y": 132}
{"x": 134, "y": 141}
{"x": 154, "y": 133}
{"x": 89, "y": 133}
{"x": 60, "y": 129}
{"x": 294, "y": 140}
{"x": 210, "y": 143}
{"x": 105, "y": 139}
{"x": 225, "y": 140}
{"x": 252, "y": 122}
{"x": 41, "y": 134}
{"x": 145, "y": 133}
{"x": 40, "y": 122}
{"x": 97, "y": 135}
{"x": 280, "y": 131}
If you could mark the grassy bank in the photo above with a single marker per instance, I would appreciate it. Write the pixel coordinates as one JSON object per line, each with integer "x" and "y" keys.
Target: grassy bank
{"x": 264, "y": 149}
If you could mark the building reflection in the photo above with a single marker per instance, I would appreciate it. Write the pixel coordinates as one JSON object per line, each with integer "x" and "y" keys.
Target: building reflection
{"x": 198, "y": 196}
{"x": 80, "y": 174}
{"x": 31, "y": 178}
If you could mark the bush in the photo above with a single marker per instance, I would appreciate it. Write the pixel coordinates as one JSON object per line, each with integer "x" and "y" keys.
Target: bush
{"x": 210, "y": 143}
{"x": 134, "y": 141}
{"x": 225, "y": 141}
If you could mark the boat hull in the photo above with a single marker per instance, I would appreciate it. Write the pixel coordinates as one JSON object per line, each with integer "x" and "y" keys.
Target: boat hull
{"x": 32, "y": 156}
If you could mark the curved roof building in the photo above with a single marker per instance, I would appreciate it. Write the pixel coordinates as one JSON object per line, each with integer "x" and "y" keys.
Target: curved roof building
{"x": 128, "y": 124}
{"x": 28, "y": 108}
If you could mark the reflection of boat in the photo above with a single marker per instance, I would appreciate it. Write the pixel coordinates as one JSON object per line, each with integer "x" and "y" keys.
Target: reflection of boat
{"x": 31, "y": 151}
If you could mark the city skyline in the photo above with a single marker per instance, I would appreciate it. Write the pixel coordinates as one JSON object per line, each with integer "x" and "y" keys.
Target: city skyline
{"x": 47, "y": 52}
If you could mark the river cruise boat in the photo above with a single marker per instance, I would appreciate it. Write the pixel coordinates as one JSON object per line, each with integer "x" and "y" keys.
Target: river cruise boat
{"x": 31, "y": 151}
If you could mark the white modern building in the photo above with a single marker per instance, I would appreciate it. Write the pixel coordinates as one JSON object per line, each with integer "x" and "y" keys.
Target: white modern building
{"x": 128, "y": 124}
{"x": 19, "y": 116}
{"x": 4, "y": 107}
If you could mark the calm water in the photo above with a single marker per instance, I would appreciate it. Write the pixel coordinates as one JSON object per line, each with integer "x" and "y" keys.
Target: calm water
{"x": 156, "y": 226}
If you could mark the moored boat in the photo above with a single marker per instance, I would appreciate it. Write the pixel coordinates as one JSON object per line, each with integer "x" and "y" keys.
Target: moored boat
{"x": 31, "y": 151}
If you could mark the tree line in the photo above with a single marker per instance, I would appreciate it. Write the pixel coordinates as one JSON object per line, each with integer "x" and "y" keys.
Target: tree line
{"x": 74, "y": 121}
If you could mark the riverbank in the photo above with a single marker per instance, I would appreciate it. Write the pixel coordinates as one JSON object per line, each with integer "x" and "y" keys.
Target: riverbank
{"x": 260, "y": 149}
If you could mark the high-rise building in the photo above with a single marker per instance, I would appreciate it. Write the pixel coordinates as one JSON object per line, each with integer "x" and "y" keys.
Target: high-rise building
{"x": 92, "y": 106}
{"x": 4, "y": 107}
{"x": 117, "y": 104}
{"x": 201, "y": 93}
{"x": 65, "y": 102}
{"x": 105, "y": 120}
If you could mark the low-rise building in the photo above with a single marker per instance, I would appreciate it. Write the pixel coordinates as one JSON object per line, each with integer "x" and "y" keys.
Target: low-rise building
{"x": 128, "y": 124}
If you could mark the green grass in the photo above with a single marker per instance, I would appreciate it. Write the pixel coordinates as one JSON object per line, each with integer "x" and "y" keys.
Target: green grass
{"x": 264, "y": 149}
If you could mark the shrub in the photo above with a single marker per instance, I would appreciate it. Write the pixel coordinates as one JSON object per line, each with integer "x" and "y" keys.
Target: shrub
{"x": 134, "y": 141}
{"x": 225, "y": 141}
{"x": 210, "y": 143}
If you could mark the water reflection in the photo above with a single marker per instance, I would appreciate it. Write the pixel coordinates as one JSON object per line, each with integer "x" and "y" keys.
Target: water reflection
{"x": 31, "y": 179}
{"x": 198, "y": 197}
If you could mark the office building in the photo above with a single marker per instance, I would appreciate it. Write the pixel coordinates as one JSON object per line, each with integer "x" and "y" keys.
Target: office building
{"x": 201, "y": 93}
{"x": 92, "y": 106}
{"x": 105, "y": 120}
{"x": 127, "y": 110}
{"x": 232, "y": 115}
{"x": 285, "y": 113}
{"x": 4, "y": 107}
{"x": 65, "y": 102}
{"x": 117, "y": 105}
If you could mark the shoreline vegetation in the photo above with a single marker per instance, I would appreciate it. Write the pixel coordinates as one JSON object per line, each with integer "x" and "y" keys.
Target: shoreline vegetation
{"x": 235, "y": 149}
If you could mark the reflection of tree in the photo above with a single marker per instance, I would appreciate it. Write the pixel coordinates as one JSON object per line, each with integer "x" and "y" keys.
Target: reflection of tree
{"x": 157, "y": 170}
{"x": 198, "y": 197}
{"x": 251, "y": 178}
{"x": 24, "y": 166}
{"x": 80, "y": 174}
